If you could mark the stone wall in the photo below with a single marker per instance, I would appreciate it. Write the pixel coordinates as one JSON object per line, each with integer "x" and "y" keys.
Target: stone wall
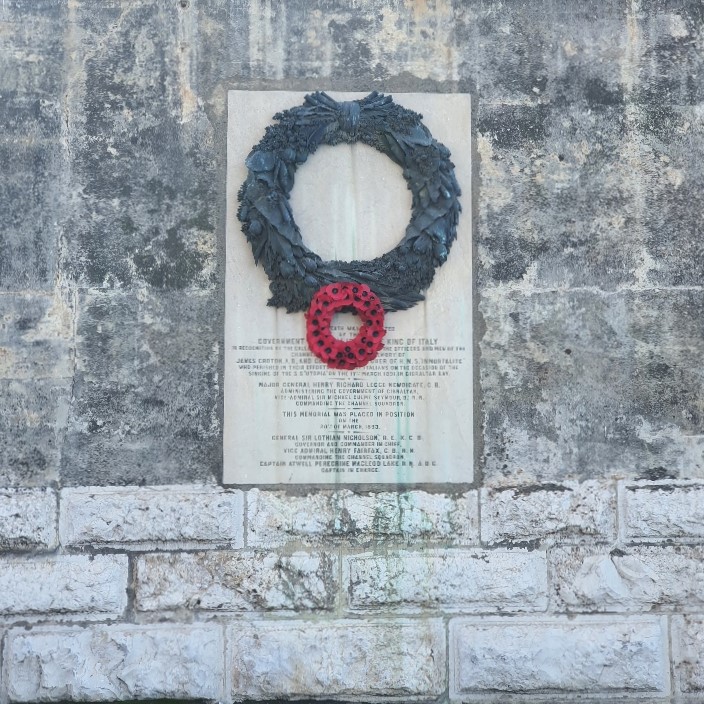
{"x": 571, "y": 567}
{"x": 577, "y": 591}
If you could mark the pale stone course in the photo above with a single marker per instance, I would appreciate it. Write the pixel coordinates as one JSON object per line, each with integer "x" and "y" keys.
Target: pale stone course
{"x": 110, "y": 663}
{"x": 399, "y": 660}
{"x": 63, "y": 585}
{"x": 454, "y": 580}
{"x": 552, "y": 513}
{"x": 149, "y": 517}
{"x": 586, "y": 656}
{"x": 236, "y": 581}
{"x": 27, "y": 519}
{"x": 640, "y": 578}
{"x": 688, "y": 653}
{"x": 274, "y": 518}
{"x": 662, "y": 511}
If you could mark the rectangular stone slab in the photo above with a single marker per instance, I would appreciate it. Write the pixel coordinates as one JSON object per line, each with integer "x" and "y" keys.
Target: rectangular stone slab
{"x": 406, "y": 417}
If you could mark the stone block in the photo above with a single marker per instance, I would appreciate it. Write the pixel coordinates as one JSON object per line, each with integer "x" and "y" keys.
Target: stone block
{"x": 32, "y": 160}
{"x": 36, "y": 336}
{"x": 145, "y": 118}
{"x": 583, "y": 384}
{"x": 28, "y": 519}
{"x": 276, "y": 518}
{"x": 151, "y": 517}
{"x": 545, "y": 175}
{"x": 572, "y": 144}
{"x": 662, "y": 511}
{"x": 397, "y": 660}
{"x": 33, "y": 78}
{"x": 473, "y": 581}
{"x": 25, "y": 114}
{"x": 32, "y": 423}
{"x": 115, "y": 663}
{"x": 569, "y": 511}
{"x": 64, "y": 586}
{"x": 687, "y": 649}
{"x": 674, "y": 134}
{"x": 557, "y": 62}
{"x": 590, "y": 657}
{"x": 146, "y": 392}
{"x": 236, "y": 581}
{"x": 641, "y": 578}
{"x": 31, "y": 183}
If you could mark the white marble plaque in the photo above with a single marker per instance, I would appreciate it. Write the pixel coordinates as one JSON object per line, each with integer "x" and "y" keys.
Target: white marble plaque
{"x": 404, "y": 418}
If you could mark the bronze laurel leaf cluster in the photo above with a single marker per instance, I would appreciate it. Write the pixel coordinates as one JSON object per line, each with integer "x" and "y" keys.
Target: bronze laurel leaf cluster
{"x": 398, "y": 277}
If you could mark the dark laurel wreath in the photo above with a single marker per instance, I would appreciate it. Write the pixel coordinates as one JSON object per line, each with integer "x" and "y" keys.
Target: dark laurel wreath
{"x": 398, "y": 277}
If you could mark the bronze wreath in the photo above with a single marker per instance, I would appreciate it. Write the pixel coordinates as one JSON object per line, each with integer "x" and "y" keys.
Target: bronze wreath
{"x": 398, "y": 277}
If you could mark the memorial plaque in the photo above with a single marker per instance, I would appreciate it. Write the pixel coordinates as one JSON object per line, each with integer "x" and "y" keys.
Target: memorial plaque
{"x": 405, "y": 417}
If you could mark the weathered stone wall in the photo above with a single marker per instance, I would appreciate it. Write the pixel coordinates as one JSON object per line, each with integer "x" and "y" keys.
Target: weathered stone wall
{"x": 571, "y": 567}
{"x": 573, "y": 591}
{"x": 588, "y": 199}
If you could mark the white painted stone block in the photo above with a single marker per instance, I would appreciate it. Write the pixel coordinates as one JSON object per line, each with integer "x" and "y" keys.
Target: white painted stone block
{"x": 454, "y": 580}
{"x": 413, "y": 516}
{"x": 27, "y": 519}
{"x": 641, "y": 578}
{"x": 688, "y": 653}
{"x": 662, "y": 511}
{"x": 244, "y": 581}
{"x": 148, "y": 517}
{"x": 553, "y": 513}
{"x": 114, "y": 663}
{"x": 63, "y": 586}
{"x": 399, "y": 660}
{"x": 555, "y": 656}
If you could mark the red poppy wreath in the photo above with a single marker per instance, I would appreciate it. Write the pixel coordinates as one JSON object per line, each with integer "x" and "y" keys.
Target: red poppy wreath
{"x": 345, "y": 354}
{"x": 299, "y": 278}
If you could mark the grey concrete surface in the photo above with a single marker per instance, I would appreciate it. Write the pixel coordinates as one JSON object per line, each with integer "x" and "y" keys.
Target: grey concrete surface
{"x": 588, "y": 199}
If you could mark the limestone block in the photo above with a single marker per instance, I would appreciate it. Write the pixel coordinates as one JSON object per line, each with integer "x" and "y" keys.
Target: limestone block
{"x": 275, "y": 518}
{"x": 27, "y": 519}
{"x": 580, "y": 384}
{"x": 144, "y": 405}
{"x": 139, "y": 517}
{"x": 64, "y": 586}
{"x": 242, "y": 581}
{"x": 590, "y": 656}
{"x": 662, "y": 510}
{"x": 36, "y": 333}
{"x": 114, "y": 663}
{"x": 399, "y": 660}
{"x": 33, "y": 80}
{"x": 640, "y": 578}
{"x": 687, "y": 650}
{"x": 31, "y": 186}
{"x": 160, "y": 228}
{"x": 455, "y": 580}
{"x": 32, "y": 420}
{"x": 550, "y": 512}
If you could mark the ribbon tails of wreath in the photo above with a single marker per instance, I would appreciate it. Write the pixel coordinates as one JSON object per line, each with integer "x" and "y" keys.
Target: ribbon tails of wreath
{"x": 398, "y": 277}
